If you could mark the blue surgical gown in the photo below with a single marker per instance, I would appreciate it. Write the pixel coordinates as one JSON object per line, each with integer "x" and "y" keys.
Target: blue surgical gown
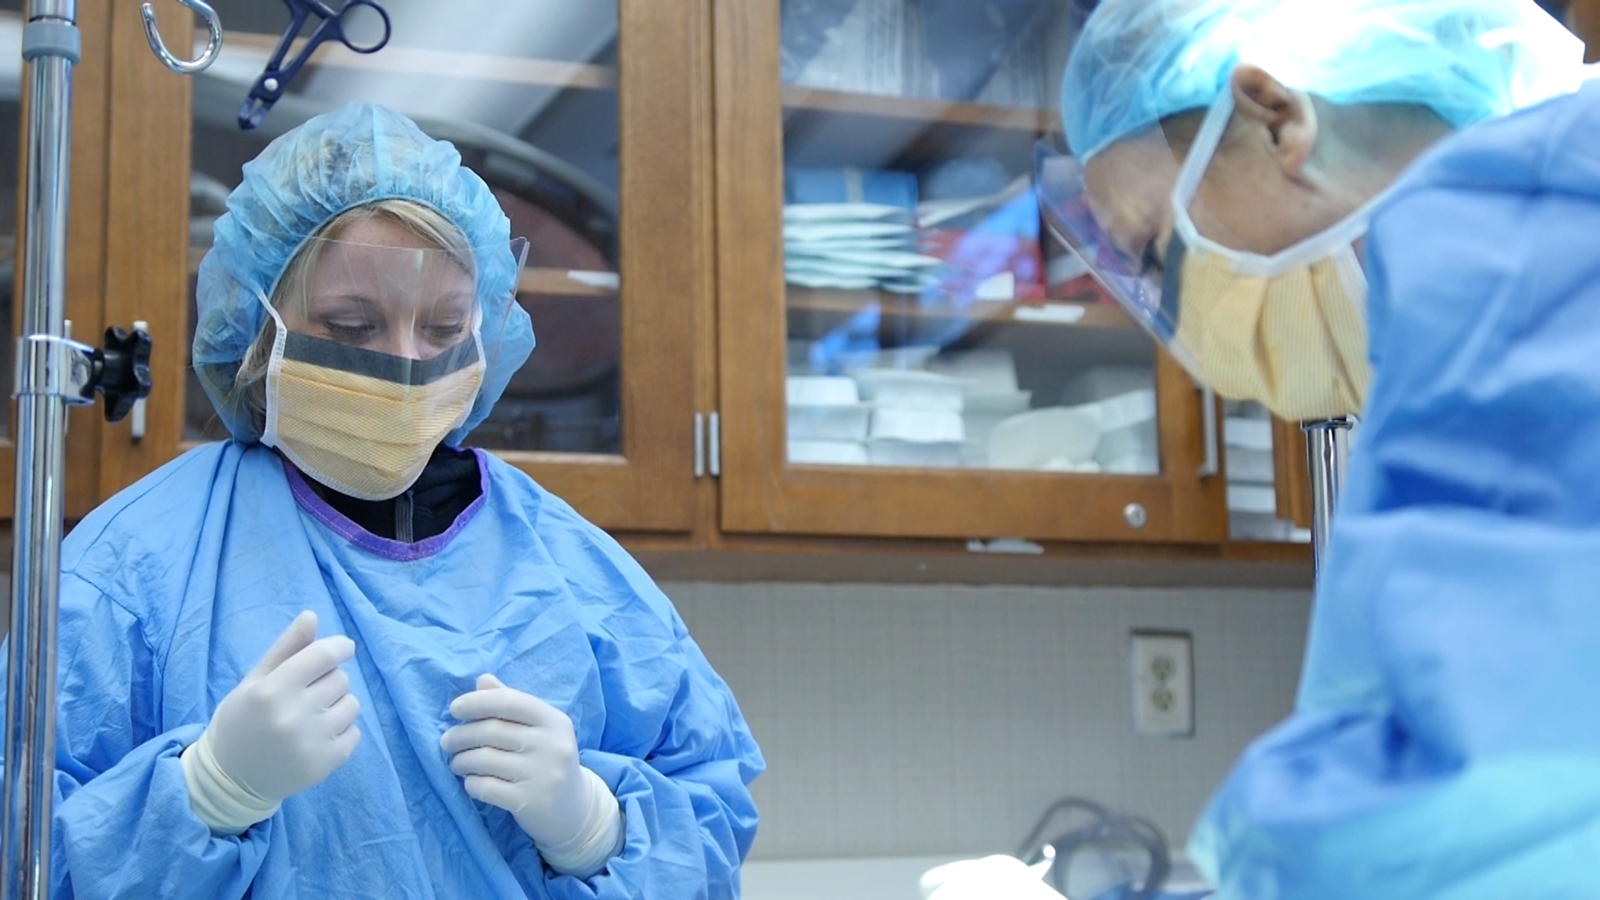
{"x": 172, "y": 591}
{"x": 1446, "y": 738}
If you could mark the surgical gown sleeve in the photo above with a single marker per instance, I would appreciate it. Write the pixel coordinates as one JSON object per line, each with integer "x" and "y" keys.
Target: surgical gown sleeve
{"x": 676, "y": 750}
{"x": 121, "y": 823}
{"x": 1444, "y": 743}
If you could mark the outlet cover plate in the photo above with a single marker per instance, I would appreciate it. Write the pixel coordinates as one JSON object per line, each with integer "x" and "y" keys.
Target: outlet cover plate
{"x": 1162, "y": 680}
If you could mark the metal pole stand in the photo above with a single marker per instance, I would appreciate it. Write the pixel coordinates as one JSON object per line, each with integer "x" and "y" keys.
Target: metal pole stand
{"x": 1327, "y": 446}
{"x": 47, "y": 368}
{"x": 52, "y": 373}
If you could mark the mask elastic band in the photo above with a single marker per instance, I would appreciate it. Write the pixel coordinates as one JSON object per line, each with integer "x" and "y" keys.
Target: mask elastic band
{"x": 280, "y": 337}
{"x": 1316, "y": 247}
{"x": 1206, "y": 142}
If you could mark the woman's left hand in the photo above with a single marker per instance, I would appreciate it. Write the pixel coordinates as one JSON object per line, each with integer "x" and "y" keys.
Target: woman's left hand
{"x": 519, "y": 753}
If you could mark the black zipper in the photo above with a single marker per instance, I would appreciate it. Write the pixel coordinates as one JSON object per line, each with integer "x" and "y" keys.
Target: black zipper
{"x": 404, "y": 524}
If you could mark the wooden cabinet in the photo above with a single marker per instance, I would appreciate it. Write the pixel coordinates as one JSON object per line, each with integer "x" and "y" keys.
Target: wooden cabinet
{"x": 668, "y": 168}
{"x": 590, "y": 133}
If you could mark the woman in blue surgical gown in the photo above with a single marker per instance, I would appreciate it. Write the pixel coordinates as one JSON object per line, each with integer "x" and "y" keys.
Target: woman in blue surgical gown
{"x": 1289, "y": 195}
{"x": 339, "y": 656}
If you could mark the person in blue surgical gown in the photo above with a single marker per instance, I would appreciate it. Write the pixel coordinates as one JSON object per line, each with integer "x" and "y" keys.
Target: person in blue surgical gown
{"x": 339, "y": 656}
{"x": 1388, "y": 208}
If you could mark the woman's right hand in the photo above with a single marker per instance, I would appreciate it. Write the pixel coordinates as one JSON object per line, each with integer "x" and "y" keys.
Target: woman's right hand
{"x": 284, "y": 729}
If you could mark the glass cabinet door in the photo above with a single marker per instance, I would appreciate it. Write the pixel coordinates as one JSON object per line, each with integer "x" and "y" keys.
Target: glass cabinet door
{"x": 932, "y": 327}
{"x": 932, "y": 322}
{"x": 534, "y": 98}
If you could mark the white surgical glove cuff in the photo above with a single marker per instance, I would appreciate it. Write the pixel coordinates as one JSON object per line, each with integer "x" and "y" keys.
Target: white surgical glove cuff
{"x": 601, "y": 837}
{"x": 226, "y": 806}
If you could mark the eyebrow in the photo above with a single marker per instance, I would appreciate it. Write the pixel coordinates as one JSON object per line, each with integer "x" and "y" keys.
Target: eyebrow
{"x": 363, "y": 299}
{"x": 343, "y": 297}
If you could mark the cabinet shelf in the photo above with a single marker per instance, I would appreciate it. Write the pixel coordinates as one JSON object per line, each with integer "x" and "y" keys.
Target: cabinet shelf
{"x": 442, "y": 63}
{"x": 839, "y": 128}
{"x": 920, "y": 109}
{"x": 564, "y": 283}
{"x": 538, "y": 282}
{"x": 558, "y": 73}
{"x": 1048, "y": 314}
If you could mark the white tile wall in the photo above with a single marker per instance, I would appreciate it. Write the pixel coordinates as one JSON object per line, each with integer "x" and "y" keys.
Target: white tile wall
{"x": 908, "y": 721}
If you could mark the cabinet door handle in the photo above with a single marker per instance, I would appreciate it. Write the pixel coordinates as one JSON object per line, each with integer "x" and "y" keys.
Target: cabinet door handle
{"x": 716, "y": 445}
{"x": 136, "y": 425}
{"x": 1208, "y": 430}
{"x": 699, "y": 446}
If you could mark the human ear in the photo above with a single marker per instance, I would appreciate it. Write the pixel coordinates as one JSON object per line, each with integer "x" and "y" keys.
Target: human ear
{"x": 1287, "y": 115}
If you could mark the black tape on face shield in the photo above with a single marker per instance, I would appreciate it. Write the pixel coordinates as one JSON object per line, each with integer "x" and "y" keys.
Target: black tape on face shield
{"x": 361, "y": 422}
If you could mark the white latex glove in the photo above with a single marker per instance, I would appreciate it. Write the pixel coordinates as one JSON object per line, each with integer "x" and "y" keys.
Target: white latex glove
{"x": 519, "y": 753}
{"x": 990, "y": 878}
{"x": 285, "y": 728}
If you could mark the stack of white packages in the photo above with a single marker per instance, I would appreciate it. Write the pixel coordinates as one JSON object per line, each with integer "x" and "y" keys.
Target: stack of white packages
{"x": 1130, "y": 442}
{"x": 854, "y": 246}
{"x": 827, "y": 421}
{"x": 1252, "y": 489}
{"x": 916, "y": 418}
{"x": 989, "y": 396}
{"x": 1106, "y": 425}
{"x": 1057, "y": 439}
{"x": 965, "y": 409}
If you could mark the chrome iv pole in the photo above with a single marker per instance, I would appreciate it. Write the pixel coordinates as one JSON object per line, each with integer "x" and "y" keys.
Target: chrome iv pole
{"x": 52, "y": 373}
{"x": 1327, "y": 447}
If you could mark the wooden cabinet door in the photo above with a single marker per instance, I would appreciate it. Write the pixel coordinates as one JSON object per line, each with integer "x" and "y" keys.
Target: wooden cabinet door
{"x": 877, "y": 233}
{"x": 1294, "y": 488}
{"x": 590, "y": 123}
{"x": 86, "y": 236}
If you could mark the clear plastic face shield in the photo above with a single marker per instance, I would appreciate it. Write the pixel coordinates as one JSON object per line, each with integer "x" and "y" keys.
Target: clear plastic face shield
{"x": 1128, "y": 268}
{"x": 1197, "y": 256}
{"x": 1236, "y": 250}
{"x": 377, "y": 356}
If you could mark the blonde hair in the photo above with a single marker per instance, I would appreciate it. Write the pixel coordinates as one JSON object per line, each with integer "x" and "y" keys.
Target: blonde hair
{"x": 422, "y": 221}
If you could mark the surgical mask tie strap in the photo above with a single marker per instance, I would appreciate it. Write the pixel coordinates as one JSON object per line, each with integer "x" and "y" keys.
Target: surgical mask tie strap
{"x": 1331, "y": 241}
{"x": 1206, "y": 142}
{"x": 280, "y": 338}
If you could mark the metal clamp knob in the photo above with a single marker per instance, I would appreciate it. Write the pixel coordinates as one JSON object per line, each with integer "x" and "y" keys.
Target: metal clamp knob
{"x": 123, "y": 370}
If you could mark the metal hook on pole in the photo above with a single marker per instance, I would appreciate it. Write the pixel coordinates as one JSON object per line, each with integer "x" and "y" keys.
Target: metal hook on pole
{"x": 159, "y": 47}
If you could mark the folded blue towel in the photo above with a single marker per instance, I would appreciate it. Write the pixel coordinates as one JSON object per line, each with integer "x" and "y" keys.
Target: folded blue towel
{"x": 846, "y": 185}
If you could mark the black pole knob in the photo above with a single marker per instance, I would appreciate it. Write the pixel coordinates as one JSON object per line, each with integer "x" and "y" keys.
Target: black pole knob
{"x": 123, "y": 370}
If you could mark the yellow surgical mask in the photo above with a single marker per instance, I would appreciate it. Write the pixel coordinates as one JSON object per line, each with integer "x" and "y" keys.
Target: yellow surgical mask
{"x": 1295, "y": 342}
{"x": 360, "y": 422}
{"x": 1287, "y": 330}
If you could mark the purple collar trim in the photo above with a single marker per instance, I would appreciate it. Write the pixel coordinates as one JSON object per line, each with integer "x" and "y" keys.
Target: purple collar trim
{"x": 366, "y": 540}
